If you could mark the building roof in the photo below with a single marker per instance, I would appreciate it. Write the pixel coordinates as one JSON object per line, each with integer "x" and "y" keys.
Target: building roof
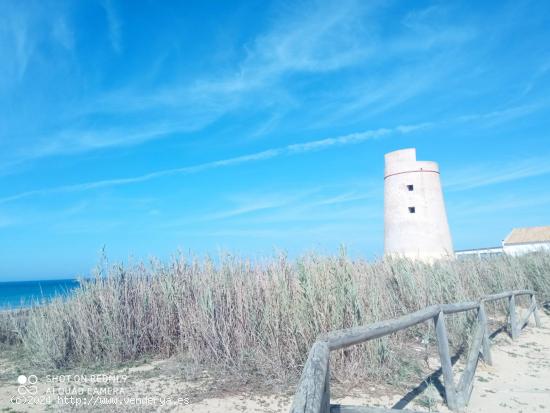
{"x": 528, "y": 235}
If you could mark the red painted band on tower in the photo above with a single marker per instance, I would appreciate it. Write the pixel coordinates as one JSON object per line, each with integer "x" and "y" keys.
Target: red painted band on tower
{"x": 407, "y": 172}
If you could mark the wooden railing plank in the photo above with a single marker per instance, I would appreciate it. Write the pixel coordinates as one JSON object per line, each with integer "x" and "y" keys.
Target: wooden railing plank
{"x": 464, "y": 387}
{"x": 355, "y": 335}
{"x": 336, "y": 408}
{"x": 325, "y": 404}
{"x": 492, "y": 297}
{"x": 486, "y": 343}
{"x": 459, "y": 307}
{"x": 535, "y": 311}
{"x": 513, "y": 317}
{"x": 525, "y": 319}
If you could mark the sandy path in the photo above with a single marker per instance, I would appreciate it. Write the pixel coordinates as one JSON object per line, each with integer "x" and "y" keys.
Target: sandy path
{"x": 519, "y": 380}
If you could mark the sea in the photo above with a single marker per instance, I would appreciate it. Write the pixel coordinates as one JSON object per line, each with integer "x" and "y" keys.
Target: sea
{"x": 19, "y": 294}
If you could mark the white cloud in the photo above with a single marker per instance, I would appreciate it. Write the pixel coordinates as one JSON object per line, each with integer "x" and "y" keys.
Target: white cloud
{"x": 16, "y": 43}
{"x": 63, "y": 33}
{"x": 253, "y": 203}
{"x": 540, "y": 73}
{"x": 114, "y": 24}
{"x": 504, "y": 115}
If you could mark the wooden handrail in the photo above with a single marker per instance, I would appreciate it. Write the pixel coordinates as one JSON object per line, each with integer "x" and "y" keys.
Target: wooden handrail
{"x": 344, "y": 338}
{"x": 313, "y": 393}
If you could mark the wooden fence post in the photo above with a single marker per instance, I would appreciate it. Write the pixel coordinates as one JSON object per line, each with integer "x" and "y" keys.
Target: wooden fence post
{"x": 482, "y": 317}
{"x": 535, "y": 311}
{"x": 446, "y": 365}
{"x": 465, "y": 385}
{"x": 513, "y": 319}
{"x": 312, "y": 393}
{"x": 325, "y": 407}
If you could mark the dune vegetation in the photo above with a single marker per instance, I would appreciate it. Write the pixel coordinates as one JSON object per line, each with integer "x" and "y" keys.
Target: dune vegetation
{"x": 257, "y": 316}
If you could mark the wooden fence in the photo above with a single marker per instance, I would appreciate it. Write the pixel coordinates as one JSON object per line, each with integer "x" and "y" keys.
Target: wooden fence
{"x": 313, "y": 393}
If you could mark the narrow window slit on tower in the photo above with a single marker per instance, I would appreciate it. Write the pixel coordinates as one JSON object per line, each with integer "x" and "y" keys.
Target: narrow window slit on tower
{"x": 412, "y": 210}
{"x": 410, "y": 187}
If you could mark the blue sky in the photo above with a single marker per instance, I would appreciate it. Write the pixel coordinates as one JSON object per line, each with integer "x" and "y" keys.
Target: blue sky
{"x": 255, "y": 127}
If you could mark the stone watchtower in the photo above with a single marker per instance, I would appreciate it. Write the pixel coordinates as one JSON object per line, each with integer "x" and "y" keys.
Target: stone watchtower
{"x": 415, "y": 221}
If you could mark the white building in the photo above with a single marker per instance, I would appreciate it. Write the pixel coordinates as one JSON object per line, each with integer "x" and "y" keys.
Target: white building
{"x": 523, "y": 240}
{"x": 518, "y": 242}
{"x": 415, "y": 220}
{"x": 480, "y": 252}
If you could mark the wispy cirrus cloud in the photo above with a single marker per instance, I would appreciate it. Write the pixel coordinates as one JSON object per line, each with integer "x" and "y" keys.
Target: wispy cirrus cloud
{"x": 16, "y": 41}
{"x": 63, "y": 33}
{"x": 74, "y": 141}
{"x": 467, "y": 178}
{"x": 256, "y": 203}
{"x": 314, "y": 39}
{"x": 500, "y": 203}
{"x": 491, "y": 173}
{"x": 114, "y": 24}
{"x": 308, "y": 208}
{"x": 304, "y": 40}
{"x": 288, "y": 150}
{"x": 503, "y": 115}
{"x": 318, "y": 37}
{"x": 245, "y": 205}
{"x": 23, "y": 31}
{"x": 542, "y": 71}
{"x": 323, "y": 208}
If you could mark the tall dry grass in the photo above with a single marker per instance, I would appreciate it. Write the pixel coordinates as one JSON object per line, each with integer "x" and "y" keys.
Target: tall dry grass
{"x": 260, "y": 316}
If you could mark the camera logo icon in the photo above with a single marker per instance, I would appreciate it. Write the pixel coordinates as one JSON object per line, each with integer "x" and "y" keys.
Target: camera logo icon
{"x": 27, "y": 384}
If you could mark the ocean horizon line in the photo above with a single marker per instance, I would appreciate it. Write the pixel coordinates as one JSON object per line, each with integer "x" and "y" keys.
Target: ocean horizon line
{"x": 26, "y": 293}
